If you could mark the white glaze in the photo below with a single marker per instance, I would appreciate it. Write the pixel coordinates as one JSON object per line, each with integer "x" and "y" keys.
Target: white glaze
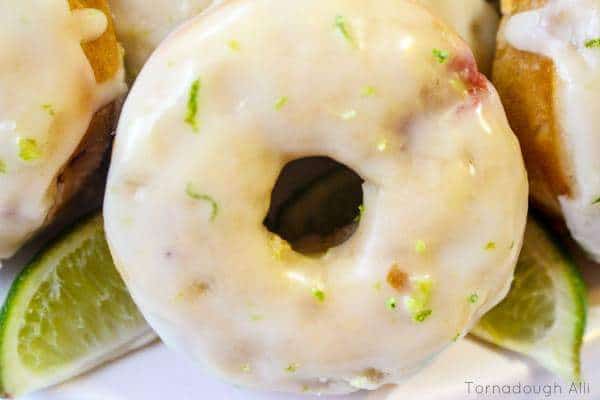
{"x": 47, "y": 93}
{"x": 559, "y": 30}
{"x": 451, "y": 174}
{"x": 476, "y": 21}
{"x": 141, "y": 27}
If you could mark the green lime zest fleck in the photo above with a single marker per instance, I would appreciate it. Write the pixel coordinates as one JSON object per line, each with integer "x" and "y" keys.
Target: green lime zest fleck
{"x": 318, "y": 294}
{"x": 420, "y": 246}
{"x": 455, "y": 338}
{"x": 347, "y": 115}
{"x": 191, "y": 117}
{"x": 473, "y": 298}
{"x": 419, "y": 298}
{"x": 391, "y": 303}
{"x": 192, "y": 193}
{"x": 377, "y": 286}
{"x": 592, "y": 43}
{"x": 246, "y": 368}
{"x": 2, "y": 167}
{"x": 368, "y": 91}
{"x": 361, "y": 211}
{"x": 256, "y": 317}
{"x": 292, "y": 368}
{"x": 49, "y": 109}
{"x": 597, "y": 201}
{"x": 234, "y": 45}
{"x": 281, "y": 102}
{"x": 342, "y": 27}
{"x": 490, "y": 246}
{"x": 422, "y": 315}
{"x": 28, "y": 149}
{"x": 440, "y": 55}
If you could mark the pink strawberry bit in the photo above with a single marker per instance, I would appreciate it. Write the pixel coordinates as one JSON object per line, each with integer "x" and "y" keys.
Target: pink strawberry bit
{"x": 466, "y": 67}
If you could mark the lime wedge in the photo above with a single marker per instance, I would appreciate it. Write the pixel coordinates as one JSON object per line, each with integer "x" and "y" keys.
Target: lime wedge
{"x": 66, "y": 313}
{"x": 544, "y": 314}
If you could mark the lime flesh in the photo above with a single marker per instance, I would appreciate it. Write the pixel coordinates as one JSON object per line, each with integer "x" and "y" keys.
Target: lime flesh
{"x": 544, "y": 314}
{"x": 67, "y": 312}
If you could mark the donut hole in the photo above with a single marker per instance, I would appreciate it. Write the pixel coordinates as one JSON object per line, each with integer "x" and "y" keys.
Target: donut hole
{"x": 315, "y": 204}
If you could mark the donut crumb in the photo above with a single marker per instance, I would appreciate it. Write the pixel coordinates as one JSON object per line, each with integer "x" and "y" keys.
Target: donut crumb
{"x": 193, "y": 291}
{"x": 397, "y": 278}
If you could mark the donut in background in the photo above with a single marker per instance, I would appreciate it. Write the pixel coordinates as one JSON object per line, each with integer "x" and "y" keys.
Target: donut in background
{"x": 141, "y": 26}
{"x": 60, "y": 76}
{"x": 547, "y": 71}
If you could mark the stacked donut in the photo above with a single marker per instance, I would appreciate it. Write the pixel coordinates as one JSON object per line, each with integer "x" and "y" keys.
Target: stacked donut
{"x": 546, "y": 71}
{"x": 55, "y": 120}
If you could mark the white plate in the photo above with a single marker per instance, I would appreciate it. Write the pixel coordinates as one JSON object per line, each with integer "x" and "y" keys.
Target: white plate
{"x": 155, "y": 373}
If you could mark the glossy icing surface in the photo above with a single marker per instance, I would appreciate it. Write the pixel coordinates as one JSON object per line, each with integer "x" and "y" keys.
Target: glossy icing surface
{"x": 380, "y": 86}
{"x": 48, "y": 95}
{"x": 475, "y": 21}
{"x": 141, "y": 27}
{"x": 564, "y": 31}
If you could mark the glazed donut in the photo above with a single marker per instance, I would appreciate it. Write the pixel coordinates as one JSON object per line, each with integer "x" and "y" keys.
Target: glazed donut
{"x": 547, "y": 71}
{"x": 60, "y": 74}
{"x": 141, "y": 27}
{"x": 382, "y": 87}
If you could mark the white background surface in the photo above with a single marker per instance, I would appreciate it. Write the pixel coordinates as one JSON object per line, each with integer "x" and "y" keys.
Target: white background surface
{"x": 155, "y": 373}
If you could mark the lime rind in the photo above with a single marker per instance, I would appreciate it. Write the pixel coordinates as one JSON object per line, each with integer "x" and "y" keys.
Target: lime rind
{"x": 553, "y": 340}
{"x": 23, "y": 371}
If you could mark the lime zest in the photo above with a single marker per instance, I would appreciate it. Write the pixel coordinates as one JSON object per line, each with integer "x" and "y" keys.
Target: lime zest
{"x": 422, "y": 315}
{"x": 420, "y": 246}
{"x": 361, "y": 211}
{"x": 391, "y": 303}
{"x": 597, "y": 201}
{"x": 291, "y": 368}
{"x": 281, "y": 102}
{"x": 592, "y": 43}
{"x": 490, "y": 245}
{"x": 2, "y": 167}
{"x": 246, "y": 368}
{"x": 368, "y": 91}
{"x": 417, "y": 302}
{"x": 192, "y": 193}
{"x": 279, "y": 247}
{"x": 191, "y": 117}
{"x": 440, "y": 55}
{"x": 473, "y": 298}
{"x": 348, "y": 115}
{"x": 256, "y": 317}
{"x": 29, "y": 149}
{"x": 49, "y": 109}
{"x": 342, "y": 27}
{"x": 234, "y": 45}
{"x": 318, "y": 294}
